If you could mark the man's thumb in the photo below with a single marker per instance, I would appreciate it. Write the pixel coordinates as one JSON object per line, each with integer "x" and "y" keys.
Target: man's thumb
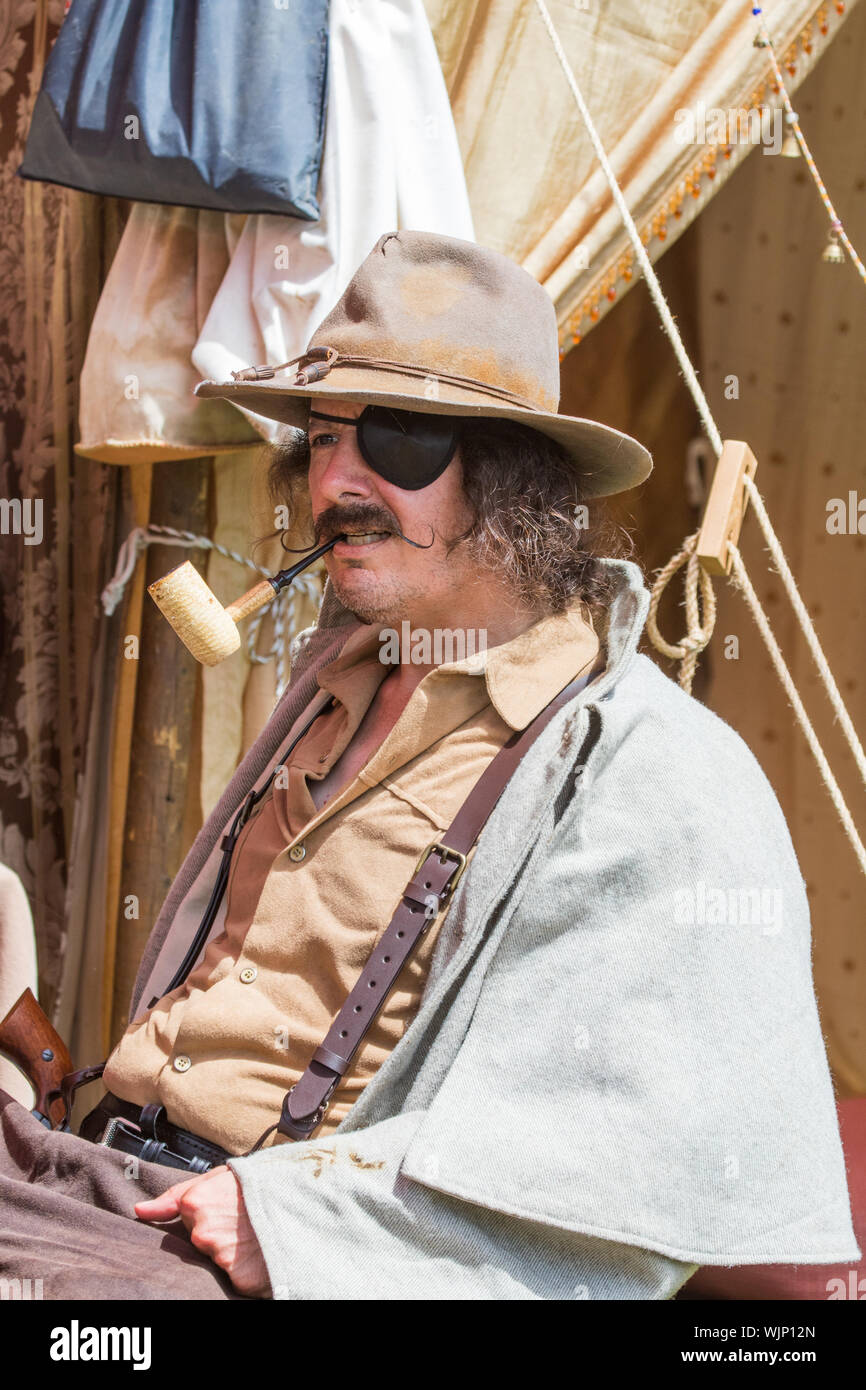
{"x": 160, "y": 1208}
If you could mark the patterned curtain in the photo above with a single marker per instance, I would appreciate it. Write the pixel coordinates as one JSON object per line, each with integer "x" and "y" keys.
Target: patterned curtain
{"x": 107, "y": 761}
{"x": 54, "y": 246}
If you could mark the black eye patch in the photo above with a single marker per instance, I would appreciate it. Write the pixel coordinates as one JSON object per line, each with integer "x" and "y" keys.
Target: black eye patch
{"x": 404, "y": 447}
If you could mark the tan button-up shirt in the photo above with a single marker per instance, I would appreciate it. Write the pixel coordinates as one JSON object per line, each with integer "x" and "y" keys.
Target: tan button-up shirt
{"x": 311, "y": 892}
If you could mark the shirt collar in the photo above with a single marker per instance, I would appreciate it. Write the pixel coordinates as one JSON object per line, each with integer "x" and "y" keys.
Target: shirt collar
{"x": 620, "y": 630}
{"x": 522, "y": 675}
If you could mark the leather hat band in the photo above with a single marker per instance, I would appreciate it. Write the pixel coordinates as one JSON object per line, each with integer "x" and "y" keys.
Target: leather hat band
{"x": 317, "y": 362}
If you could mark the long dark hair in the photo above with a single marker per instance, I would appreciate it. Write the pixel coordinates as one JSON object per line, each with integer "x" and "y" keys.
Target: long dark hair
{"x": 523, "y": 491}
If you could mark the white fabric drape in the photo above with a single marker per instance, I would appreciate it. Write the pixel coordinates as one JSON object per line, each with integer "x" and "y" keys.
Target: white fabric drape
{"x": 195, "y": 293}
{"x": 391, "y": 160}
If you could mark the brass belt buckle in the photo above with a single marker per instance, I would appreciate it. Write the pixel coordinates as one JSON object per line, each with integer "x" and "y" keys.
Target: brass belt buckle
{"x": 445, "y": 853}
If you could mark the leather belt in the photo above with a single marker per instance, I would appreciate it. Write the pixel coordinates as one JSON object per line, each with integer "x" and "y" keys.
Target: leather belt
{"x": 146, "y": 1133}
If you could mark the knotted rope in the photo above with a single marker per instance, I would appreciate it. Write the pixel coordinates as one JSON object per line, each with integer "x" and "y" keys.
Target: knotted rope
{"x": 698, "y": 585}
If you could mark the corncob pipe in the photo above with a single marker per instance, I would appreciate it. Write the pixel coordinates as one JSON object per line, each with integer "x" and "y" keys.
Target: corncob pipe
{"x": 206, "y": 629}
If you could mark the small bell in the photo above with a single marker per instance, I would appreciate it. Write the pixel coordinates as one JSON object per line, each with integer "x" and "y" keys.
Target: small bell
{"x": 790, "y": 147}
{"x": 833, "y": 252}
{"x": 759, "y": 41}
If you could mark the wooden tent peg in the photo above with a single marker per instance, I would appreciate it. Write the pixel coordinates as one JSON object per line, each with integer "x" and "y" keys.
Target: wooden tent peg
{"x": 726, "y": 506}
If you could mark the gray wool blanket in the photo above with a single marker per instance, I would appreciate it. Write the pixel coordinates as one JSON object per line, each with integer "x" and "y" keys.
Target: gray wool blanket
{"x": 617, "y": 1072}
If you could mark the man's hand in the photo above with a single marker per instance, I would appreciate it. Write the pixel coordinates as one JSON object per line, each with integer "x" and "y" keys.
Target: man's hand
{"x": 211, "y": 1206}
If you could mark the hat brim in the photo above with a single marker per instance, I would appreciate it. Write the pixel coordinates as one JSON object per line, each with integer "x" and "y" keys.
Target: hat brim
{"x": 607, "y": 460}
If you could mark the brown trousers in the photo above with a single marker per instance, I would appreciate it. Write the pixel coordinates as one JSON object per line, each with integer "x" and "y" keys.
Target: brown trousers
{"x": 67, "y": 1219}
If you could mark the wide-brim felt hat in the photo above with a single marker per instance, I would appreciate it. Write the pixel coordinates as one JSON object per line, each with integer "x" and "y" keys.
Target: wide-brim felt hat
{"x": 442, "y": 326}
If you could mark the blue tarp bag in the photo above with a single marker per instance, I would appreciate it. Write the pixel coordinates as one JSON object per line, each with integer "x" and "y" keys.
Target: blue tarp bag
{"x": 202, "y": 103}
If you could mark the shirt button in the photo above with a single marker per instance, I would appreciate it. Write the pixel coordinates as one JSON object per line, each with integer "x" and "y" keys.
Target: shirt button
{"x": 248, "y": 974}
{"x": 297, "y": 853}
{"x": 181, "y": 1064}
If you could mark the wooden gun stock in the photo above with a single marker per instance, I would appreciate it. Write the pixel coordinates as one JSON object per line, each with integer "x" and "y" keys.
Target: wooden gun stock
{"x": 31, "y": 1043}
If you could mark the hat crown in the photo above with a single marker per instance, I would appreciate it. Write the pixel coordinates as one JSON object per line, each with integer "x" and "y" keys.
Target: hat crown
{"x": 449, "y": 307}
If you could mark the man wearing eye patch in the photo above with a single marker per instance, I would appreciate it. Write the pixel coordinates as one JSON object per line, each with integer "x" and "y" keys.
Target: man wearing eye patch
{"x": 420, "y": 1060}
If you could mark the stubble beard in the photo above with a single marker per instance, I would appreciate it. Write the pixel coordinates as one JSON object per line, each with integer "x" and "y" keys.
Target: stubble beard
{"x": 386, "y": 602}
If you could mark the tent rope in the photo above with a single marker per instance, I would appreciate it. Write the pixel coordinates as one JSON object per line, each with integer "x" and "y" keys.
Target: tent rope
{"x": 741, "y": 578}
{"x": 689, "y": 645}
{"x": 282, "y": 604}
{"x": 784, "y": 571}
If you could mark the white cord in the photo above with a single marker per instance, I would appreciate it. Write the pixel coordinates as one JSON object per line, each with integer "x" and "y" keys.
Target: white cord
{"x": 809, "y": 632}
{"x": 742, "y": 578}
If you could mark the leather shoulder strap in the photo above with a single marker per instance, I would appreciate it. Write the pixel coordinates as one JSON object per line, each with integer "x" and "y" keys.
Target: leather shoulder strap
{"x": 436, "y": 876}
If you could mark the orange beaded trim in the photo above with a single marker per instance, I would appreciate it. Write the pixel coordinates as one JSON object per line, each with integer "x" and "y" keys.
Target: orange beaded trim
{"x": 655, "y": 228}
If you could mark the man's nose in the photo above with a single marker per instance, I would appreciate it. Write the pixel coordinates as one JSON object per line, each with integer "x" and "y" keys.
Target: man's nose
{"x": 345, "y": 474}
